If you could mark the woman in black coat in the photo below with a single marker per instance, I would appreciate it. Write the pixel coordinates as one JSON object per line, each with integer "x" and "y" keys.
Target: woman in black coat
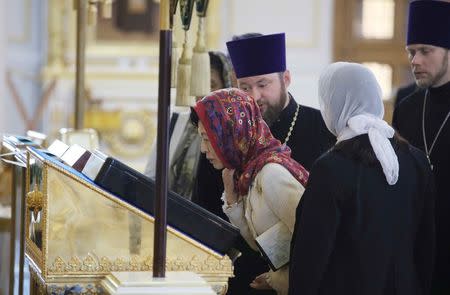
{"x": 365, "y": 224}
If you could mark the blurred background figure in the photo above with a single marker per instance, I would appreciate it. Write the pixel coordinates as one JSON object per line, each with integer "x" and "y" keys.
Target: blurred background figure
{"x": 186, "y": 162}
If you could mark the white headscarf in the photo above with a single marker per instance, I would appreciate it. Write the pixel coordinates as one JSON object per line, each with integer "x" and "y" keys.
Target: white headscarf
{"x": 351, "y": 105}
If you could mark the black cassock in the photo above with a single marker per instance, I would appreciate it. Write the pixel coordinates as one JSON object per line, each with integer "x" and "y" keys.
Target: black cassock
{"x": 309, "y": 139}
{"x": 356, "y": 234}
{"x": 408, "y": 122}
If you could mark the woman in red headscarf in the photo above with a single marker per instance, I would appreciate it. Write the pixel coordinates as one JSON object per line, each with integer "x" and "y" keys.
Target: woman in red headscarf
{"x": 263, "y": 184}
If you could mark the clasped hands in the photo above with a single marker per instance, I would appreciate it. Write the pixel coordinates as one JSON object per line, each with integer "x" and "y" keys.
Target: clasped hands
{"x": 231, "y": 195}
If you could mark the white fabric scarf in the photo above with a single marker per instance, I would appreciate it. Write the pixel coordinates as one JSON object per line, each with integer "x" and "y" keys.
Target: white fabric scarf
{"x": 351, "y": 105}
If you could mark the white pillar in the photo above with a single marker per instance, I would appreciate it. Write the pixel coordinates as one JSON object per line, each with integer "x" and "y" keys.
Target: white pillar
{"x": 3, "y": 40}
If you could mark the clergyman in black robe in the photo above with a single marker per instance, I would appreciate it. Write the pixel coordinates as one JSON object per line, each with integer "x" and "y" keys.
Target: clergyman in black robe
{"x": 422, "y": 118}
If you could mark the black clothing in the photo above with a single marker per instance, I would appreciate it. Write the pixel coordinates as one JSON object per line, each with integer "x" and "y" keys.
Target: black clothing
{"x": 309, "y": 139}
{"x": 408, "y": 121}
{"x": 404, "y": 92}
{"x": 208, "y": 187}
{"x": 356, "y": 234}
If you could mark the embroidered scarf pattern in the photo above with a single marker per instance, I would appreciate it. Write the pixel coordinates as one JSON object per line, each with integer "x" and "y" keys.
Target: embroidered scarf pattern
{"x": 241, "y": 138}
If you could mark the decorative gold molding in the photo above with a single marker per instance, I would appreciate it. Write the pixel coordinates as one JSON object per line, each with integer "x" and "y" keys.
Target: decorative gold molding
{"x": 37, "y": 283}
{"x": 34, "y": 200}
{"x": 88, "y": 270}
{"x": 34, "y": 253}
{"x": 92, "y": 284}
{"x": 89, "y": 265}
{"x": 45, "y": 218}
{"x": 38, "y": 255}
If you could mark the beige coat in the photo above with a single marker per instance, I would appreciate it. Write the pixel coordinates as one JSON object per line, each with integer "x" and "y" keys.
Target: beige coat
{"x": 272, "y": 197}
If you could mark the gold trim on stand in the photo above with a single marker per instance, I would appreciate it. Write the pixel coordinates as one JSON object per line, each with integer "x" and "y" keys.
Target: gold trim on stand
{"x": 90, "y": 265}
{"x": 87, "y": 259}
{"x": 34, "y": 200}
{"x": 34, "y": 253}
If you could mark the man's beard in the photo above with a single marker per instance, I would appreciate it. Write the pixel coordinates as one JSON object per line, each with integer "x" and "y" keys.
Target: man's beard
{"x": 272, "y": 112}
{"x": 434, "y": 80}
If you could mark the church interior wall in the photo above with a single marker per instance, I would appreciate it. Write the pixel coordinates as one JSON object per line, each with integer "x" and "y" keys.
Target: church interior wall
{"x": 308, "y": 28}
{"x": 25, "y": 38}
{"x": 2, "y": 65}
{"x": 121, "y": 76}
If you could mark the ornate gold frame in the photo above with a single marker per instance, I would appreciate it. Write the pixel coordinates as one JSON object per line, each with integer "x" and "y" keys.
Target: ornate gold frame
{"x": 91, "y": 268}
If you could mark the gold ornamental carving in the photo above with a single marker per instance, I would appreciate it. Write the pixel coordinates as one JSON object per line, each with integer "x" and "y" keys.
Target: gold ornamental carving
{"x": 35, "y": 200}
{"x": 105, "y": 264}
{"x": 59, "y": 265}
{"x": 134, "y": 264}
{"x": 90, "y": 264}
{"x": 120, "y": 264}
{"x": 55, "y": 265}
{"x": 74, "y": 264}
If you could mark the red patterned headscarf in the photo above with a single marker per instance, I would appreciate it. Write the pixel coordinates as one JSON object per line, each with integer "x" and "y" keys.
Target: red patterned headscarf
{"x": 241, "y": 138}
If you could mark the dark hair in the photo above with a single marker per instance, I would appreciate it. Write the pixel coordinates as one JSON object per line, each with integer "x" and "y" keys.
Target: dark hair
{"x": 216, "y": 64}
{"x": 193, "y": 117}
{"x": 359, "y": 148}
{"x": 246, "y": 36}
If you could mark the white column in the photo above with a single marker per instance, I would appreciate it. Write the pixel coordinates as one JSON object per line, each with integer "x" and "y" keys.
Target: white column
{"x": 3, "y": 40}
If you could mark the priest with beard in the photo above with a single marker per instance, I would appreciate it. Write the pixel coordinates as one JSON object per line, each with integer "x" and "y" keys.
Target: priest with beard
{"x": 259, "y": 62}
{"x": 423, "y": 117}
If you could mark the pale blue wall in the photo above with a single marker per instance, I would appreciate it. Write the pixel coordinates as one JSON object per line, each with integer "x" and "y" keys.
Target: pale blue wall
{"x": 26, "y": 39}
